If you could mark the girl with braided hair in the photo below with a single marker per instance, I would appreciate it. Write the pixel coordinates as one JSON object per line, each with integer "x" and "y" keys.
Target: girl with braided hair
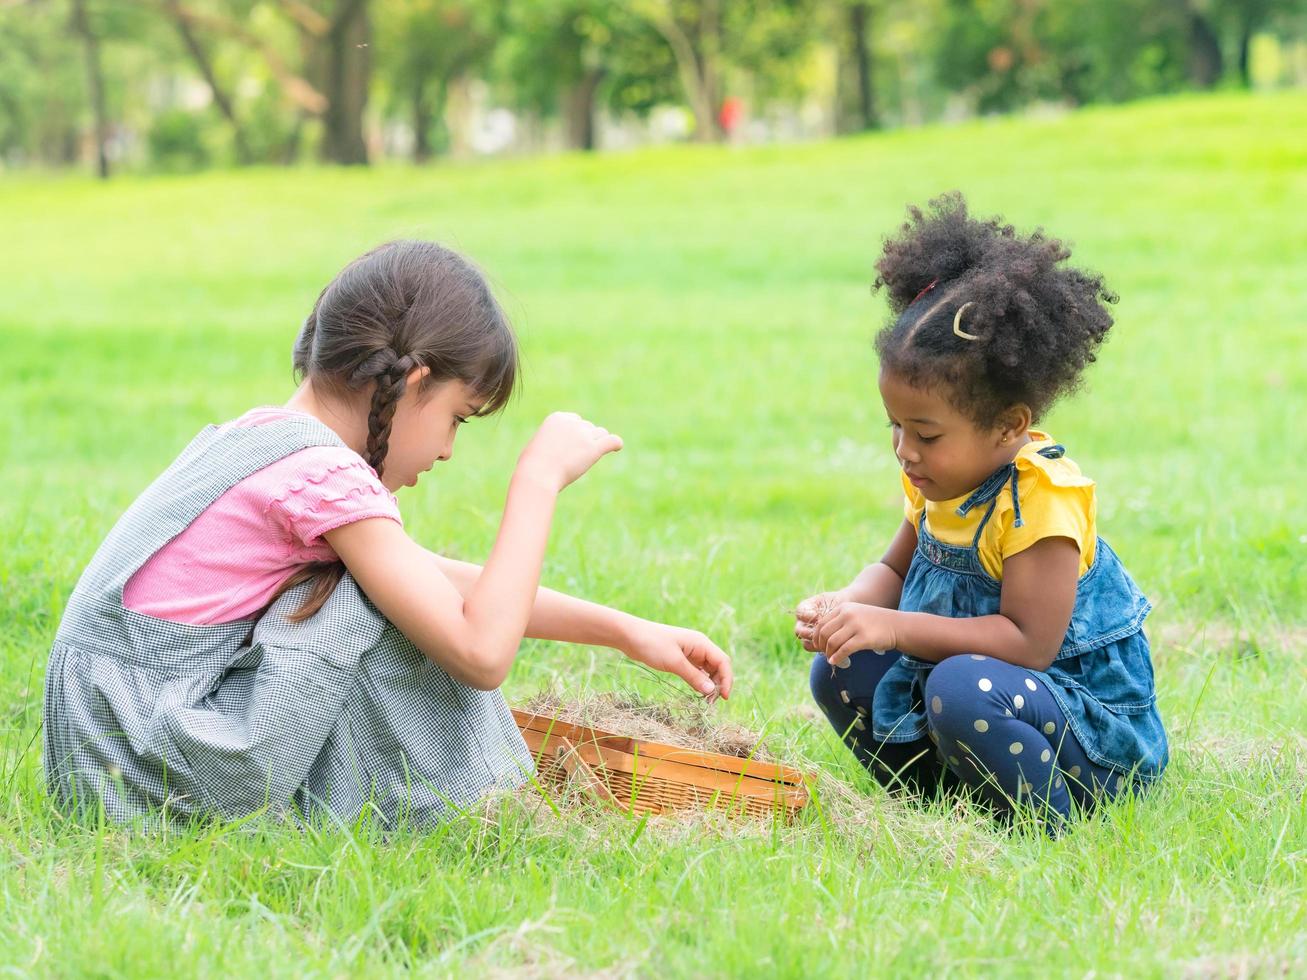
{"x": 998, "y": 645}
{"x": 258, "y": 630}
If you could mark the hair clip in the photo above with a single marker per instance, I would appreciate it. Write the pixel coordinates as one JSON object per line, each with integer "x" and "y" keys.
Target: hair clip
{"x": 957, "y": 323}
{"x": 925, "y": 291}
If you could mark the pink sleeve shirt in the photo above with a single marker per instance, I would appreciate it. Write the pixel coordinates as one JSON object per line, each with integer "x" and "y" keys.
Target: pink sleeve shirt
{"x": 228, "y": 564}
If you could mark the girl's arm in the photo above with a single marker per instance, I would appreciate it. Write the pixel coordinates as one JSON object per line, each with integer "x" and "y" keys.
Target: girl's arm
{"x": 558, "y": 616}
{"x": 1039, "y": 592}
{"x": 474, "y": 632}
{"x": 879, "y": 584}
{"x": 475, "y": 638}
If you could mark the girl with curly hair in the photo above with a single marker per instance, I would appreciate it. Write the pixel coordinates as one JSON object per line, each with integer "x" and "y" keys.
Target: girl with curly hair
{"x": 998, "y": 644}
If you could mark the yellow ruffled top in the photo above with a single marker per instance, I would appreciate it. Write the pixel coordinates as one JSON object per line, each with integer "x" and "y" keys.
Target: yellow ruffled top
{"x": 1057, "y": 500}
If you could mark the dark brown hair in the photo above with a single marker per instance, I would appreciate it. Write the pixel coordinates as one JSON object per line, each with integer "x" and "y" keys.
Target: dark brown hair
{"x": 1036, "y": 322}
{"x": 403, "y": 305}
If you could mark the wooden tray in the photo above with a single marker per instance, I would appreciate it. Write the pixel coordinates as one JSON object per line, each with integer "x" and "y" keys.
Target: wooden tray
{"x": 641, "y": 776}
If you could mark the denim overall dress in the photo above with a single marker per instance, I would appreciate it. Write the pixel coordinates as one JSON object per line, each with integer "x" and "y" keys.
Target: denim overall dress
{"x": 1102, "y": 676}
{"x": 338, "y": 713}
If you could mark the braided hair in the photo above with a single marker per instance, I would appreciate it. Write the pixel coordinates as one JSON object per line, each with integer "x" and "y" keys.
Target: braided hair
{"x": 388, "y": 372}
{"x": 990, "y": 317}
{"x": 401, "y": 306}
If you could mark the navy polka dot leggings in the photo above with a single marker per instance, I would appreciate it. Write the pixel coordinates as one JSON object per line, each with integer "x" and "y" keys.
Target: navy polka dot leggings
{"x": 992, "y": 726}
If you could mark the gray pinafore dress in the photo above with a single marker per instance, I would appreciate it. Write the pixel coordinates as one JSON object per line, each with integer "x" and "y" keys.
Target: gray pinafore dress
{"x": 337, "y": 714}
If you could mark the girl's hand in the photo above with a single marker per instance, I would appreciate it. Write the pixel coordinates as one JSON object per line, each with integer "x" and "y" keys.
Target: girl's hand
{"x": 563, "y": 448}
{"x": 688, "y": 654}
{"x": 852, "y": 626}
{"x": 810, "y": 611}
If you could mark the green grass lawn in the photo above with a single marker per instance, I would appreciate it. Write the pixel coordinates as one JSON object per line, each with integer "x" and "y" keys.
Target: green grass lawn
{"x": 712, "y": 305}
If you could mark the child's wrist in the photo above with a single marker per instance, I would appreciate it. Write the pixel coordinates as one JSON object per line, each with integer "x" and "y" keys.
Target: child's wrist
{"x": 535, "y": 478}
{"x": 623, "y": 631}
{"x": 852, "y": 593}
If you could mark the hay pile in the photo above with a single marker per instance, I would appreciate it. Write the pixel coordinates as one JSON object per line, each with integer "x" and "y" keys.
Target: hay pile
{"x": 685, "y": 723}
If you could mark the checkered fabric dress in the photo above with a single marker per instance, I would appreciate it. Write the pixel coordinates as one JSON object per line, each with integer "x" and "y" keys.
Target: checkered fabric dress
{"x": 340, "y": 712}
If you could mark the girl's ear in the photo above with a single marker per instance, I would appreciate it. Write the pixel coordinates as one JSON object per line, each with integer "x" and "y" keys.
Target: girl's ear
{"x": 417, "y": 374}
{"x": 1014, "y": 423}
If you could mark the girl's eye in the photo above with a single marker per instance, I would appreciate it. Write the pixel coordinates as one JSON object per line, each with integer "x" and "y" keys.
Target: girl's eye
{"x": 927, "y": 438}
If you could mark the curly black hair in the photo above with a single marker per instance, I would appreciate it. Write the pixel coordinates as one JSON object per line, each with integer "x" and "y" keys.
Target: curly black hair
{"x": 1036, "y": 323}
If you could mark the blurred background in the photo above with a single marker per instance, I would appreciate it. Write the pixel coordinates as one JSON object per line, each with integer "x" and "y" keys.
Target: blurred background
{"x": 176, "y": 85}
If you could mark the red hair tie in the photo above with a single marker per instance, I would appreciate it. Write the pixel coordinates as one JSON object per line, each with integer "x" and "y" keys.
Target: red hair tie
{"x": 925, "y": 291}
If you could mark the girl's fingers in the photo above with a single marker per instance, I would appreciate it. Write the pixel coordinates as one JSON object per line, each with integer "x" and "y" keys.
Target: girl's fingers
{"x": 804, "y": 632}
{"x": 826, "y": 630}
{"x": 850, "y": 646}
{"x": 838, "y": 639}
{"x": 713, "y": 660}
{"x": 718, "y": 664}
{"x": 695, "y": 677}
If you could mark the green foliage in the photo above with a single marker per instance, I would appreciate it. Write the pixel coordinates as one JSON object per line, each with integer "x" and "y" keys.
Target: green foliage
{"x": 566, "y": 58}
{"x": 41, "y": 88}
{"x": 177, "y": 140}
{"x": 551, "y": 46}
{"x": 427, "y": 44}
{"x": 1007, "y": 53}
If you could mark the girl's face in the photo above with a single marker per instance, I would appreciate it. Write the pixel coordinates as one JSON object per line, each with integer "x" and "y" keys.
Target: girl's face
{"x": 943, "y": 452}
{"x": 425, "y": 425}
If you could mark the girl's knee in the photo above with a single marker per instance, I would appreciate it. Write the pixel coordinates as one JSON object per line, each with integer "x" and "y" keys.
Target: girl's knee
{"x": 956, "y": 675}
{"x": 959, "y": 695}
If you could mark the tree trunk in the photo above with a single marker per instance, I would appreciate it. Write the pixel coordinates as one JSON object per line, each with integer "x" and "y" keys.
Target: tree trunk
{"x": 201, "y": 59}
{"x": 347, "y": 68}
{"x": 580, "y": 110}
{"x": 1205, "y": 64}
{"x": 421, "y": 121}
{"x": 290, "y": 149}
{"x": 859, "y": 29}
{"x": 708, "y": 56}
{"x": 94, "y": 85}
{"x": 1245, "y": 49}
{"x": 695, "y": 67}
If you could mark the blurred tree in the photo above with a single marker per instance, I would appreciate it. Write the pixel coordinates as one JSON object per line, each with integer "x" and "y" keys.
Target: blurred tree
{"x": 335, "y": 41}
{"x": 1242, "y": 19}
{"x": 204, "y": 64}
{"x": 176, "y": 140}
{"x": 1005, "y": 53}
{"x": 42, "y": 85}
{"x": 425, "y": 45}
{"x": 853, "y": 28}
{"x": 64, "y": 60}
{"x": 570, "y": 57}
{"x": 80, "y": 25}
{"x": 100, "y": 80}
{"x": 860, "y": 14}
{"x": 709, "y": 37}
{"x": 1205, "y": 61}
{"x": 334, "y": 51}
{"x": 692, "y": 30}
{"x": 555, "y": 57}
{"x": 1112, "y": 51}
